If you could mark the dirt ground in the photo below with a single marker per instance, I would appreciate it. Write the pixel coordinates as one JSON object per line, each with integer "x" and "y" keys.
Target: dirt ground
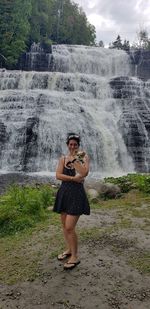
{"x": 104, "y": 279}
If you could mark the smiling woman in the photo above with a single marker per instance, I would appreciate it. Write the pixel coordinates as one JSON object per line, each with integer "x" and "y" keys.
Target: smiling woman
{"x": 71, "y": 200}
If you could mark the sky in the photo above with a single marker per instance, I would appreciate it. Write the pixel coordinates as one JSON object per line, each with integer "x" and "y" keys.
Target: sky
{"x": 113, "y": 17}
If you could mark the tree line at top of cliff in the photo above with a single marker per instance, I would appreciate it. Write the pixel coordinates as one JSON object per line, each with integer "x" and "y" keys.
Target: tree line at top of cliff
{"x": 23, "y": 22}
{"x": 143, "y": 42}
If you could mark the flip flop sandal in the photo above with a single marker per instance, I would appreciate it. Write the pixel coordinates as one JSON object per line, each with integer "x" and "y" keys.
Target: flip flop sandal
{"x": 72, "y": 265}
{"x": 63, "y": 256}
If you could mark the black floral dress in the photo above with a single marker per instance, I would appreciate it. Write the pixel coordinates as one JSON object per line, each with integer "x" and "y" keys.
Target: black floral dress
{"x": 71, "y": 197}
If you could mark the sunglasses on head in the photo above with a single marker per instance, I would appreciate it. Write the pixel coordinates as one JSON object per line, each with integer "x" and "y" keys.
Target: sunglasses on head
{"x": 73, "y": 136}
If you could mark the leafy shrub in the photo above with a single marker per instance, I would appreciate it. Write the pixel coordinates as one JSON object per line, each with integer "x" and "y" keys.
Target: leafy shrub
{"x": 143, "y": 183}
{"x": 22, "y": 207}
{"x": 47, "y": 45}
{"x": 132, "y": 181}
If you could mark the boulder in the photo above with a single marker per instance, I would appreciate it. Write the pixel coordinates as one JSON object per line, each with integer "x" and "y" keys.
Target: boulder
{"x": 95, "y": 188}
{"x": 92, "y": 193}
{"x": 110, "y": 190}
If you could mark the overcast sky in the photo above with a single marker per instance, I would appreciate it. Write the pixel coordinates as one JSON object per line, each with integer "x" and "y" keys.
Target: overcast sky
{"x": 113, "y": 17}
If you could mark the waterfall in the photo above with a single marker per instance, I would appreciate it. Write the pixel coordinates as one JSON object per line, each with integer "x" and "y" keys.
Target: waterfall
{"x": 133, "y": 96}
{"x": 76, "y": 94}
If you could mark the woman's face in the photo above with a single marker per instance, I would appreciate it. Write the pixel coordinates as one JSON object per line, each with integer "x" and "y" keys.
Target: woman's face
{"x": 73, "y": 146}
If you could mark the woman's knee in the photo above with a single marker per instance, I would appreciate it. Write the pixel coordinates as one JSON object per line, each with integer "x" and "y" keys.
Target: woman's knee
{"x": 63, "y": 219}
{"x": 70, "y": 223}
{"x": 69, "y": 229}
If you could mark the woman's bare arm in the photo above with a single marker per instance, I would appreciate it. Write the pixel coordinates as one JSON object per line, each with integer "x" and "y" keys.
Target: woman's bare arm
{"x": 61, "y": 176}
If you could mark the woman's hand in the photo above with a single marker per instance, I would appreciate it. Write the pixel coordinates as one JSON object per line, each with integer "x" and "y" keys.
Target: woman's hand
{"x": 82, "y": 168}
{"x": 78, "y": 178}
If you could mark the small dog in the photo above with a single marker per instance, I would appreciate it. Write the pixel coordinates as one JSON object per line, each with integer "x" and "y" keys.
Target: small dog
{"x": 79, "y": 156}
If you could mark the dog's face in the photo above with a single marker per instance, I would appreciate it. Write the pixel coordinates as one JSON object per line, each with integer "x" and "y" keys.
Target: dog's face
{"x": 80, "y": 154}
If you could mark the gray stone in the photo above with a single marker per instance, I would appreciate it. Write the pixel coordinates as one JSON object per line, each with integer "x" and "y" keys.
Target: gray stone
{"x": 141, "y": 63}
{"x": 92, "y": 193}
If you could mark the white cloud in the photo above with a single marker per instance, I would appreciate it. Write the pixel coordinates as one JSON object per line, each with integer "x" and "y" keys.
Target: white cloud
{"x": 117, "y": 17}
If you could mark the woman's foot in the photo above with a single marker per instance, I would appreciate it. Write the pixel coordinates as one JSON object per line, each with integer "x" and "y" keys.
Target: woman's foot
{"x": 71, "y": 265}
{"x": 64, "y": 255}
{"x": 72, "y": 262}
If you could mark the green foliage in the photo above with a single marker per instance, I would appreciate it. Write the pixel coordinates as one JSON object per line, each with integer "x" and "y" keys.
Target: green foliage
{"x": 143, "y": 183}
{"x": 132, "y": 181}
{"x": 101, "y": 43}
{"x": 14, "y": 29}
{"x": 69, "y": 24}
{"x": 40, "y": 23}
{"x": 143, "y": 40}
{"x": 23, "y": 207}
{"x": 141, "y": 262}
{"x": 46, "y": 44}
{"x": 23, "y": 22}
{"x": 119, "y": 45}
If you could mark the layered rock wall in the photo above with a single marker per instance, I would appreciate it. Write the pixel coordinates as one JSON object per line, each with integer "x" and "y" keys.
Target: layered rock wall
{"x": 140, "y": 60}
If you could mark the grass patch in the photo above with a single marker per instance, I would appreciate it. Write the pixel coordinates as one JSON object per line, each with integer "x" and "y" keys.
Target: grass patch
{"x": 23, "y": 207}
{"x": 141, "y": 262}
{"x": 22, "y": 253}
{"x": 89, "y": 233}
{"x": 16, "y": 261}
{"x": 141, "y": 213}
{"x": 124, "y": 223}
{"x": 28, "y": 230}
{"x": 129, "y": 200}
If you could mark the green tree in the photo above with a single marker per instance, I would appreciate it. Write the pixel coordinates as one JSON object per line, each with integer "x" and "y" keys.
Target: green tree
{"x": 117, "y": 43}
{"x": 101, "y": 43}
{"x": 70, "y": 24}
{"x": 126, "y": 45}
{"x": 40, "y": 21}
{"x": 14, "y": 28}
{"x": 61, "y": 21}
{"x": 143, "y": 39}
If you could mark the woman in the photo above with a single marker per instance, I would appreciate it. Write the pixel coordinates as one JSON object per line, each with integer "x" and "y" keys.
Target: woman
{"x": 71, "y": 200}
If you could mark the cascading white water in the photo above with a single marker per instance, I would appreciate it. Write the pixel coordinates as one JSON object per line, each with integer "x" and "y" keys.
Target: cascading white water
{"x": 133, "y": 95}
{"x": 38, "y": 109}
{"x": 90, "y": 60}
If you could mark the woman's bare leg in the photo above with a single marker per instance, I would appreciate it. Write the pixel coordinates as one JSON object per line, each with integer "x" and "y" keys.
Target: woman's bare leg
{"x": 63, "y": 221}
{"x": 70, "y": 224}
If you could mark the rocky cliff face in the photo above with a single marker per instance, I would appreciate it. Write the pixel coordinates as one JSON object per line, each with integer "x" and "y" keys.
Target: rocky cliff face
{"x": 140, "y": 60}
{"x": 133, "y": 97}
{"x": 38, "y": 58}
